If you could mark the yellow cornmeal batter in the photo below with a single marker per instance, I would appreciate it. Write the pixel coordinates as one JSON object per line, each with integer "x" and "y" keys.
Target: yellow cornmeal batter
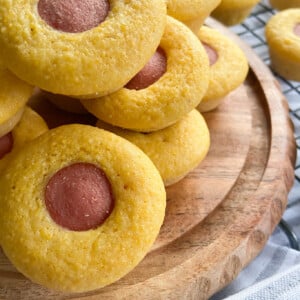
{"x": 285, "y": 4}
{"x": 232, "y": 12}
{"x": 14, "y": 93}
{"x": 227, "y": 73}
{"x": 75, "y": 261}
{"x": 191, "y": 12}
{"x": 284, "y": 44}
{"x": 28, "y": 128}
{"x": 94, "y": 62}
{"x": 178, "y": 91}
{"x": 175, "y": 150}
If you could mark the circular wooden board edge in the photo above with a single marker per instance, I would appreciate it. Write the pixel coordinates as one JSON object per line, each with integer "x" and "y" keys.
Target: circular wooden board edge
{"x": 249, "y": 236}
{"x": 276, "y": 182}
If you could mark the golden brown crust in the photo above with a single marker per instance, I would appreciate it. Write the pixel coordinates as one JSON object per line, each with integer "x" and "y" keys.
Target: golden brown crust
{"x": 175, "y": 94}
{"x": 14, "y": 93}
{"x": 284, "y": 44}
{"x": 175, "y": 150}
{"x": 30, "y": 126}
{"x": 227, "y": 73}
{"x": 232, "y": 12}
{"x": 80, "y": 63}
{"x": 191, "y": 12}
{"x": 185, "y": 10}
{"x": 79, "y": 261}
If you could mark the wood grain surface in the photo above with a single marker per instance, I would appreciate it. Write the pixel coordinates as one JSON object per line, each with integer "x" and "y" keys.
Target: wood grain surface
{"x": 220, "y": 216}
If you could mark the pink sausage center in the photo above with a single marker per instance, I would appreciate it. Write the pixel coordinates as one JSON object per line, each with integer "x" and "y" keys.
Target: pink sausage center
{"x": 73, "y": 15}
{"x": 297, "y": 29}
{"x": 152, "y": 71}
{"x": 79, "y": 197}
{"x": 212, "y": 54}
{"x": 6, "y": 144}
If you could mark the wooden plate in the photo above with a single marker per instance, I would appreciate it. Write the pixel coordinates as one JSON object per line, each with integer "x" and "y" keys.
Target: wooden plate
{"x": 218, "y": 217}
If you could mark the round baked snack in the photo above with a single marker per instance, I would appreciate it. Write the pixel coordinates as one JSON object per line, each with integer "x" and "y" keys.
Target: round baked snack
{"x": 232, "y": 12}
{"x": 283, "y": 38}
{"x": 175, "y": 150}
{"x": 28, "y": 128}
{"x": 285, "y": 4}
{"x": 228, "y": 67}
{"x": 14, "y": 93}
{"x": 191, "y": 12}
{"x": 181, "y": 70}
{"x": 79, "y": 47}
{"x": 80, "y": 208}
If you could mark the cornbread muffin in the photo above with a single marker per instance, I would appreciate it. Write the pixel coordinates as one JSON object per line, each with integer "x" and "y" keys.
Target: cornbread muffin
{"x": 191, "y": 12}
{"x": 175, "y": 150}
{"x": 175, "y": 93}
{"x": 80, "y": 207}
{"x": 228, "y": 67}
{"x": 66, "y": 103}
{"x": 284, "y": 4}
{"x": 232, "y": 12}
{"x": 14, "y": 93}
{"x": 75, "y": 47}
{"x": 283, "y": 37}
{"x": 28, "y": 128}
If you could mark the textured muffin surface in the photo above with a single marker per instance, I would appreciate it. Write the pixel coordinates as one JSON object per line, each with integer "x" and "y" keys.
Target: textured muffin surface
{"x": 192, "y": 13}
{"x": 175, "y": 150}
{"x": 14, "y": 93}
{"x": 30, "y": 126}
{"x": 68, "y": 260}
{"x": 232, "y": 12}
{"x": 229, "y": 70}
{"x": 83, "y": 63}
{"x": 163, "y": 103}
{"x": 284, "y": 43}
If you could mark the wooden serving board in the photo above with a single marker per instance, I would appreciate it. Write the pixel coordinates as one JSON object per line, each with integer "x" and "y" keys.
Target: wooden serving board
{"x": 220, "y": 216}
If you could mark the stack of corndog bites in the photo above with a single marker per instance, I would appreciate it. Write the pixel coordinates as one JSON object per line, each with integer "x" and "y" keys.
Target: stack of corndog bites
{"x": 101, "y": 106}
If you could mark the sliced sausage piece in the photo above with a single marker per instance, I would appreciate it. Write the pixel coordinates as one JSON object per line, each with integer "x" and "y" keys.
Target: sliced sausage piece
{"x": 79, "y": 197}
